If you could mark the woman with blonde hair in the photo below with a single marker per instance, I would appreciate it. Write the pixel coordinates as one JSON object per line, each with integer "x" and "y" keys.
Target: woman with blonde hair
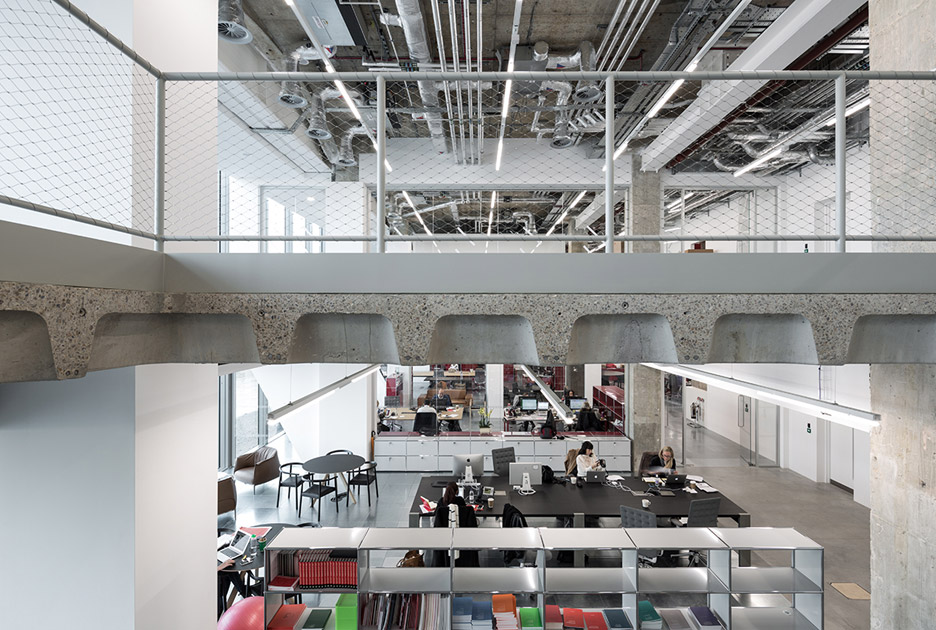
{"x": 665, "y": 461}
{"x": 571, "y": 462}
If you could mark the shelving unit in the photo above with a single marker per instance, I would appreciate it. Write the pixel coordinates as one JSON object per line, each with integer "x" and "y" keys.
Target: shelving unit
{"x": 798, "y": 586}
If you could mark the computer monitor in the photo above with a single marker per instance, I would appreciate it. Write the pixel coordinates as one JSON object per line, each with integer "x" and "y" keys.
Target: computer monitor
{"x": 527, "y": 404}
{"x": 542, "y": 406}
{"x": 516, "y": 470}
{"x": 576, "y": 403}
{"x": 461, "y": 462}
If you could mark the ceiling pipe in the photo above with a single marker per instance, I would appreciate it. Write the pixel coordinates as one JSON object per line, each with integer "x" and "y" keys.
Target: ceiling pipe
{"x": 585, "y": 59}
{"x": 346, "y": 153}
{"x": 291, "y": 94}
{"x": 614, "y": 42}
{"x": 453, "y": 42}
{"x": 437, "y": 24}
{"x": 318, "y": 127}
{"x": 417, "y": 41}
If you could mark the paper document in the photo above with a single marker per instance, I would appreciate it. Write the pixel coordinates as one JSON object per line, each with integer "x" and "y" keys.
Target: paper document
{"x": 694, "y": 478}
{"x": 704, "y": 487}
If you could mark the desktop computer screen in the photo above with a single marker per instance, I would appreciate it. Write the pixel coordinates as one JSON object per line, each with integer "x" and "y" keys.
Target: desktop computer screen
{"x": 461, "y": 462}
{"x": 542, "y": 406}
{"x": 576, "y": 403}
{"x": 528, "y": 404}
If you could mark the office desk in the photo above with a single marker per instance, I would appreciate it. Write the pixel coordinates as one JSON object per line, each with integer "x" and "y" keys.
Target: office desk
{"x": 594, "y": 499}
{"x": 402, "y": 414}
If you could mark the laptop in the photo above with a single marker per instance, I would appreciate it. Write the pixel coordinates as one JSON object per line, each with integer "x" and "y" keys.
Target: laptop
{"x": 515, "y": 474}
{"x": 675, "y": 481}
{"x": 235, "y": 548}
{"x": 596, "y": 476}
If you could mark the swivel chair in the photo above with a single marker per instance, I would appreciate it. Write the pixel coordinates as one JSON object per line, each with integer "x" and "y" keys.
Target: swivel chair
{"x": 502, "y": 458}
{"x": 632, "y": 517}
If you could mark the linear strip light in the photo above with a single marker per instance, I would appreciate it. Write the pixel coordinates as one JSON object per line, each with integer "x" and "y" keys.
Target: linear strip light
{"x": 277, "y": 414}
{"x": 758, "y": 162}
{"x": 330, "y": 69}
{"x": 416, "y": 211}
{"x": 514, "y": 39}
{"x": 854, "y": 109}
{"x": 691, "y": 66}
{"x": 563, "y": 411}
{"x": 491, "y": 213}
{"x": 847, "y": 416}
{"x": 564, "y": 214}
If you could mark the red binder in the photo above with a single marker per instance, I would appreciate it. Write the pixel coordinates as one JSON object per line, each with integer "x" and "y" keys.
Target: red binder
{"x": 573, "y": 619}
{"x": 286, "y": 617}
{"x": 595, "y": 621}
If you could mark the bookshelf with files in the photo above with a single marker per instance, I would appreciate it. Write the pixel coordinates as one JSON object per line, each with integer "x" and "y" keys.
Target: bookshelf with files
{"x": 322, "y": 565}
{"x": 441, "y": 596}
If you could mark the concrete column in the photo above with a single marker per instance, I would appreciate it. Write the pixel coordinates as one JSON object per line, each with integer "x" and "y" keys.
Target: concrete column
{"x": 646, "y": 409}
{"x": 903, "y": 496}
{"x": 494, "y": 390}
{"x": 646, "y": 201}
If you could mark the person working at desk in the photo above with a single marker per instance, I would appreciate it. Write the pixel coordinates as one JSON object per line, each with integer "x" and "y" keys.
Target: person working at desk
{"x": 426, "y": 421}
{"x": 441, "y": 401}
{"x": 664, "y": 461}
{"x": 588, "y": 419}
{"x": 587, "y": 460}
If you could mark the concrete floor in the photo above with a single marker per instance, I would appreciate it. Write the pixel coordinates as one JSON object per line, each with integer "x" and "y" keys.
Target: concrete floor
{"x": 773, "y": 496}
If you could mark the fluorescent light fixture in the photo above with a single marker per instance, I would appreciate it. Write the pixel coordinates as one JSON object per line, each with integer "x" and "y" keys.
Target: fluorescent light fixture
{"x": 493, "y": 198}
{"x": 490, "y": 221}
{"x": 758, "y": 162}
{"x": 675, "y": 229}
{"x": 574, "y": 203}
{"x": 577, "y": 199}
{"x": 562, "y": 410}
{"x": 500, "y": 151}
{"x": 277, "y": 414}
{"x": 847, "y": 416}
{"x": 416, "y": 212}
{"x": 507, "y": 87}
{"x": 667, "y": 95}
{"x": 514, "y": 39}
{"x": 853, "y": 109}
{"x": 310, "y": 198}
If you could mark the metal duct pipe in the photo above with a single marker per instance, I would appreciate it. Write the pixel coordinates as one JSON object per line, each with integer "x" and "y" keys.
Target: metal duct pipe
{"x": 307, "y": 52}
{"x": 525, "y": 219}
{"x": 291, "y": 94}
{"x": 561, "y": 138}
{"x": 823, "y": 159}
{"x": 451, "y": 86}
{"x": 724, "y": 167}
{"x": 414, "y": 30}
{"x": 585, "y": 59}
{"x": 231, "y": 26}
{"x": 318, "y": 128}
{"x": 346, "y": 153}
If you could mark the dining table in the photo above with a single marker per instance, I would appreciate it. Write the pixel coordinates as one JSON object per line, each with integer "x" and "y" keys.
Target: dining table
{"x": 335, "y": 464}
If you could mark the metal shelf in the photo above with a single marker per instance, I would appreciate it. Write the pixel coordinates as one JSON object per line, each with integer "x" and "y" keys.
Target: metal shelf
{"x": 769, "y": 619}
{"x": 678, "y": 579}
{"x": 577, "y": 538}
{"x": 591, "y": 580}
{"x": 408, "y": 538}
{"x": 318, "y": 538}
{"x": 771, "y": 580}
{"x": 406, "y": 580}
{"x": 487, "y": 580}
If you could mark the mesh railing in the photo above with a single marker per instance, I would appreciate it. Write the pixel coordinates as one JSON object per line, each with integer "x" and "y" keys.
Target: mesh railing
{"x": 730, "y": 162}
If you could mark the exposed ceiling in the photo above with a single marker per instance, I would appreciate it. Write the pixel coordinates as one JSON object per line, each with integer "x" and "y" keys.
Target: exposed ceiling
{"x": 663, "y": 35}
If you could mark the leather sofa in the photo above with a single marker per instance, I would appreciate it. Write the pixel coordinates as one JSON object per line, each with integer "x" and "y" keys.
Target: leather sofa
{"x": 459, "y": 397}
{"x": 257, "y": 467}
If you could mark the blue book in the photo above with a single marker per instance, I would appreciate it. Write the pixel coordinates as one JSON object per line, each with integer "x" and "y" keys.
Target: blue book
{"x": 461, "y": 607}
{"x": 704, "y": 617}
{"x": 617, "y": 618}
{"x": 482, "y": 614}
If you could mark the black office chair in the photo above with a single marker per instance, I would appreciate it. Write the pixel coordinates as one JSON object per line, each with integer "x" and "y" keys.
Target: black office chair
{"x": 426, "y": 423}
{"x": 633, "y": 517}
{"x": 502, "y": 458}
{"x": 363, "y": 476}
{"x": 289, "y": 478}
{"x": 318, "y": 489}
{"x": 702, "y": 513}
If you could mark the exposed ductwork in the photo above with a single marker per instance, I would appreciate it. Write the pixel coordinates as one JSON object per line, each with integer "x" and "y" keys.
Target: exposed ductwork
{"x": 585, "y": 59}
{"x": 318, "y": 127}
{"x": 561, "y": 138}
{"x": 291, "y": 94}
{"x": 346, "y": 153}
{"x": 307, "y": 52}
{"x": 231, "y": 26}
{"x": 822, "y": 159}
{"x": 417, "y": 41}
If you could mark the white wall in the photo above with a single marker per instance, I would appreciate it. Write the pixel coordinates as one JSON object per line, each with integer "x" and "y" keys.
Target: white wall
{"x": 494, "y": 392}
{"x": 176, "y": 492}
{"x": 68, "y": 461}
{"x": 720, "y": 410}
{"x": 592, "y": 380}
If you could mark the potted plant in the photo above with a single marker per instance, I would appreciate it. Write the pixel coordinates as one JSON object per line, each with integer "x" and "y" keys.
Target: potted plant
{"x": 484, "y": 422}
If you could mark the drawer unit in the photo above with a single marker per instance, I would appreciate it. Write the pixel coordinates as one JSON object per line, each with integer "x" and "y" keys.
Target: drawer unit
{"x": 422, "y": 447}
{"x": 618, "y": 463}
{"x": 527, "y": 458}
{"x": 389, "y": 447}
{"x": 556, "y": 463}
{"x": 387, "y": 463}
{"x": 612, "y": 447}
{"x": 521, "y": 447}
{"x": 422, "y": 463}
{"x": 553, "y": 447}
{"x": 445, "y": 463}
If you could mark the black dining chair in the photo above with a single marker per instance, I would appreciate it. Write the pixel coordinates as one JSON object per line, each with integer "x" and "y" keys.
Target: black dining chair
{"x": 318, "y": 489}
{"x": 363, "y": 476}
{"x": 340, "y": 451}
{"x": 291, "y": 475}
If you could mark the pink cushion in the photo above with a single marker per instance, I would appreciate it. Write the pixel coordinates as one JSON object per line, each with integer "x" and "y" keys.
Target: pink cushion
{"x": 247, "y": 614}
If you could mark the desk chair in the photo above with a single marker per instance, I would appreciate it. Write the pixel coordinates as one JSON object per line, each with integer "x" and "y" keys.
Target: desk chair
{"x": 645, "y": 460}
{"x": 363, "y": 476}
{"x": 290, "y": 477}
{"x": 633, "y": 517}
{"x": 702, "y": 513}
{"x": 502, "y": 458}
{"x": 318, "y": 489}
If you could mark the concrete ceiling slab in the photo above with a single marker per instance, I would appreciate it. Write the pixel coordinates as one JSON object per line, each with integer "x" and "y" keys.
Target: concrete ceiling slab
{"x": 893, "y": 339}
{"x": 25, "y": 348}
{"x": 763, "y": 338}
{"x": 343, "y": 338}
{"x": 622, "y": 339}
{"x": 483, "y": 339}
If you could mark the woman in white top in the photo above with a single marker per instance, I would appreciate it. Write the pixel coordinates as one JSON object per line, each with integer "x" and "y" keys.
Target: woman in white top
{"x": 586, "y": 459}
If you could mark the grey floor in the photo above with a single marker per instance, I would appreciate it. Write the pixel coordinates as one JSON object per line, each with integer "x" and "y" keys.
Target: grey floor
{"x": 774, "y": 497}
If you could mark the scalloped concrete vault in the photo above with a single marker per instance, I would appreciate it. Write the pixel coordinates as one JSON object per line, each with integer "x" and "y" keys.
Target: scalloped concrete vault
{"x": 622, "y": 339}
{"x": 763, "y": 338}
{"x": 25, "y": 348}
{"x": 893, "y": 339}
{"x": 483, "y": 339}
{"x": 343, "y": 338}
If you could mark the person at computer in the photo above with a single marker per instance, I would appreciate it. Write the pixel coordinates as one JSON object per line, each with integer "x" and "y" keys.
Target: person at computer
{"x": 663, "y": 462}
{"x": 441, "y": 400}
{"x": 587, "y": 460}
{"x": 587, "y": 418}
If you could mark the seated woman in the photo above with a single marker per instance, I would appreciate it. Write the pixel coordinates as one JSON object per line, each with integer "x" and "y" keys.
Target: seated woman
{"x": 664, "y": 462}
{"x": 452, "y": 511}
{"x": 587, "y": 460}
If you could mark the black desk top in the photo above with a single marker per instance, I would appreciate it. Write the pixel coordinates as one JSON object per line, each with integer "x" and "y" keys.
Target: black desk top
{"x": 593, "y": 499}
{"x": 330, "y": 464}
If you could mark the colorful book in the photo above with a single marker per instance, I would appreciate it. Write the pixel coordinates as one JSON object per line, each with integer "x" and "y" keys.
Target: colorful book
{"x": 317, "y": 619}
{"x": 573, "y": 619}
{"x": 461, "y": 613}
{"x": 553, "y": 618}
{"x": 675, "y": 619}
{"x": 595, "y": 621}
{"x": 703, "y": 618}
{"x": 259, "y": 532}
{"x": 617, "y": 619}
{"x": 346, "y": 612}
{"x": 482, "y": 615}
{"x": 283, "y": 583}
{"x": 530, "y": 618}
{"x": 649, "y": 618}
{"x": 287, "y": 617}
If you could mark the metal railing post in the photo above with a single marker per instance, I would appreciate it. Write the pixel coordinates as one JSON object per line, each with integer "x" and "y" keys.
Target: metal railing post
{"x": 840, "y": 163}
{"x": 381, "y": 162}
{"x": 609, "y": 165}
{"x": 159, "y": 172}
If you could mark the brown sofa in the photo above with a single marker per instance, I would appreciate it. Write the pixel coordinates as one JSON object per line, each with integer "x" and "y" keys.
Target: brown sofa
{"x": 458, "y": 396}
{"x": 257, "y": 467}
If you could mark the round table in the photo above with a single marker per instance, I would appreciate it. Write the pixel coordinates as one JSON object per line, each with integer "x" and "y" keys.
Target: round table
{"x": 246, "y": 569}
{"x": 339, "y": 463}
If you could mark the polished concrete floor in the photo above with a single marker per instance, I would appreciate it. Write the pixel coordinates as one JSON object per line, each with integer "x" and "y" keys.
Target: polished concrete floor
{"x": 774, "y": 497}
